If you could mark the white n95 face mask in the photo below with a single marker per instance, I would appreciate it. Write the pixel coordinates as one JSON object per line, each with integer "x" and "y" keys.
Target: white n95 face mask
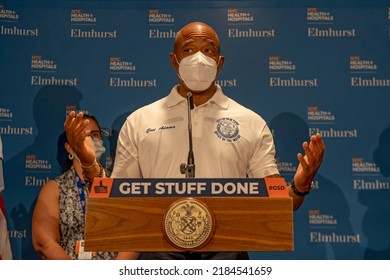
{"x": 99, "y": 148}
{"x": 197, "y": 71}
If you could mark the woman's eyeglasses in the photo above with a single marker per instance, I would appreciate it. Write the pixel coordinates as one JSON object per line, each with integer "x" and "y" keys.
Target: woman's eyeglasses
{"x": 96, "y": 135}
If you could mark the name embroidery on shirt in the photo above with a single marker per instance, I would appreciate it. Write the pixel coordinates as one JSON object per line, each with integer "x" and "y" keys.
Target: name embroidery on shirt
{"x": 227, "y": 130}
{"x": 163, "y": 127}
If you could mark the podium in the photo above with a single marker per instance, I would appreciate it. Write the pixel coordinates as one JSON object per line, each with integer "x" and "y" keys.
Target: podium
{"x": 168, "y": 215}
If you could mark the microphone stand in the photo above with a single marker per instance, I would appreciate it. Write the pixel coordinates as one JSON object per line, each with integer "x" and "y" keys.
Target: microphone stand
{"x": 189, "y": 168}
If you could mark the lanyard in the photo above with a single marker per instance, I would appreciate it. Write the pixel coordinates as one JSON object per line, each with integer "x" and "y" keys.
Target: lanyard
{"x": 81, "y": 193}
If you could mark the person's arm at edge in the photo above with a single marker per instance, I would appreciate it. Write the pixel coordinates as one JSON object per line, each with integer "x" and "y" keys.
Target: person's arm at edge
{"x": 307, "y": 168}
{"x": 45, "y": 224}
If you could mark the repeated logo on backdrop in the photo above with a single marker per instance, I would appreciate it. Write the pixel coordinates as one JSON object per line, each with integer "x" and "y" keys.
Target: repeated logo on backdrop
{"x": 8, "y": 15}
{"x": 324, "y": 226}
{"x": 5, "y": 114}
{"x": 316, "y": 115}
{"x": 6, "y": 127}
{"x": 33, "y": 165}
{"x": 283, "y": 71}
{"x": 9, "y": 24}
{"x": 80, "y": 17}
{"x": 319, "y": 20}
{"x": 240, "y": 23}
{"x": 84, "y": 26}
{"x": 120, "y": 70}
{"x": 161, "y": 25}
{"x": 44, "y": 73}
{"x": 367, "y": 70}
{"x": 367, "y": 176}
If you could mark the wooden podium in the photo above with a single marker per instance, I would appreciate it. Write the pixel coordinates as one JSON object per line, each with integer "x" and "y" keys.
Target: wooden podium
{"x": 127, "y": 215}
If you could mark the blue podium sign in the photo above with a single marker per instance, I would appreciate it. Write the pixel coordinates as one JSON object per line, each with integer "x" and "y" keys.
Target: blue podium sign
{"x": 167, "y": 187}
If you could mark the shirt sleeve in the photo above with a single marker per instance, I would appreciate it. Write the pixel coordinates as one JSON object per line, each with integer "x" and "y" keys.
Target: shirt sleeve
{"x": 263, "y": 163}
{"x": 126, "y": 162}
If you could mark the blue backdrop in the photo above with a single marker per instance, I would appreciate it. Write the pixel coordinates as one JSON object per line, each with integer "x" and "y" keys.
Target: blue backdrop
{"x": 306, "y": 67}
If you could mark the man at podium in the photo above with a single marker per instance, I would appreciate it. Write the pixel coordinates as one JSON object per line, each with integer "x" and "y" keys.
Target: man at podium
{"x": 227, "y": 140}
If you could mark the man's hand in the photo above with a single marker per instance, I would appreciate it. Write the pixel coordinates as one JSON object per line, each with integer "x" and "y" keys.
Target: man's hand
{"x": 309, "y": 163}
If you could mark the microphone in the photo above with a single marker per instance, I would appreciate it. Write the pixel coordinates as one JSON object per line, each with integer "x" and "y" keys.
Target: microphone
{"x": 190, "y": 100}
{"x": 189, "y": 168}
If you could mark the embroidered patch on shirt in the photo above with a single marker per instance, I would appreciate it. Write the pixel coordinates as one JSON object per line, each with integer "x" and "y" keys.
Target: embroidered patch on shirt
{"x": 227, "y": 130}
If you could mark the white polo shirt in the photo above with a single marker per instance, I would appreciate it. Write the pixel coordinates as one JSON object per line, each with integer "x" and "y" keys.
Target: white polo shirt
{"x": 229, "y": 140}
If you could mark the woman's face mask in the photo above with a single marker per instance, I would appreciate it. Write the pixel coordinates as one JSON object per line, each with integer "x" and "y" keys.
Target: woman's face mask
{"x": 99, "y": 148}
{"x": 197, "y": 71}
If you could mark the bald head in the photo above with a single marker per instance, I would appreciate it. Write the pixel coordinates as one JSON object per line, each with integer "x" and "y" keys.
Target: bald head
{"x": 196, "y": 30}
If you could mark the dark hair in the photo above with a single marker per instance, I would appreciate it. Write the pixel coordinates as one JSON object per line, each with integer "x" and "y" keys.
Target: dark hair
{"x": 62, "y": 154}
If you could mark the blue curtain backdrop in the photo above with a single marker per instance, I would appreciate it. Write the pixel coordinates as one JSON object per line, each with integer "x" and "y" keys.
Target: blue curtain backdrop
{"x": 305, "y": 66}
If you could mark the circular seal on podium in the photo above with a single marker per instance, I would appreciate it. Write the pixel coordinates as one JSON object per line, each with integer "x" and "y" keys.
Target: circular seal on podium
{"x": 188, "y": 224}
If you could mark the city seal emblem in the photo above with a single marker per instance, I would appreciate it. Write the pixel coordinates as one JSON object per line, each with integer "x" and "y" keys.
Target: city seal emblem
{"x": 188, "y": 224}
{"x": 227, "y": 130}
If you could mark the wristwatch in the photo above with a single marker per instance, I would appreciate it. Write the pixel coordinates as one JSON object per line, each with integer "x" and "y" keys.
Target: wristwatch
{"x": 298, "y": 193}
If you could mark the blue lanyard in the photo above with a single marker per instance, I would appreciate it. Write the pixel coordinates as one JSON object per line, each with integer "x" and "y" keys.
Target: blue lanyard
{"x": 81, "y": 193}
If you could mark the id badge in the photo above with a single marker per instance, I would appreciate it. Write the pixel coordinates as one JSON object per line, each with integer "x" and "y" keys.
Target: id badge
{"x": 81, "y": 254}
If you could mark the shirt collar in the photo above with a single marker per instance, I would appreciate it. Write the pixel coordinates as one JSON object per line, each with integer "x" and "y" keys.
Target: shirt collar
{"x": 220, "y": 99}
{"x": 174, "y": 98}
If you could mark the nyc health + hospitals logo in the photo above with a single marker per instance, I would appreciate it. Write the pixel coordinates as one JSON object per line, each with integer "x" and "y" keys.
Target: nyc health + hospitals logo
{"x": 323, "y": 24}
{"x": 283, "y": 74}
{"x": 6, "y": 126}
{"x": 324, "y": 229}
{"x": 365, "y": 73}
{"x": 159, "y": 17}
{"x": 8, "y": 15}
{"x": 40, "y": 63}
{"x": 323, "y": 121}
{"x": 317, "y": 115}
{"x": 37, "y": 170}
{"x": 367, "y": 176}
{"x": 78, "y": 16}
{"x": 361, "y": 166}
{"x": 278, "y": 64}
{"x": 119, "y": 65}
{"x": 44, "y": 73}
{"x": 241, "y": 24}
{"x": 239, "y": 16}
{"x": 161, "y": 24}
{"x": 319, "y": 219}
{"x": 6, "y": 114}
{"x": 84, "y": 26}
{"x": 357, "y": 64}
{"x": 123, "y": 74}
{"x": 315, "y": 15}
{"x": 36, "y": 164}
{"x": 10, "y": 24}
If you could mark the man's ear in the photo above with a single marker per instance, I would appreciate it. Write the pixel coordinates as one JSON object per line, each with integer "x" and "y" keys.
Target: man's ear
{"x": 174, "y": 62}
{"x": 220, "y": 64}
